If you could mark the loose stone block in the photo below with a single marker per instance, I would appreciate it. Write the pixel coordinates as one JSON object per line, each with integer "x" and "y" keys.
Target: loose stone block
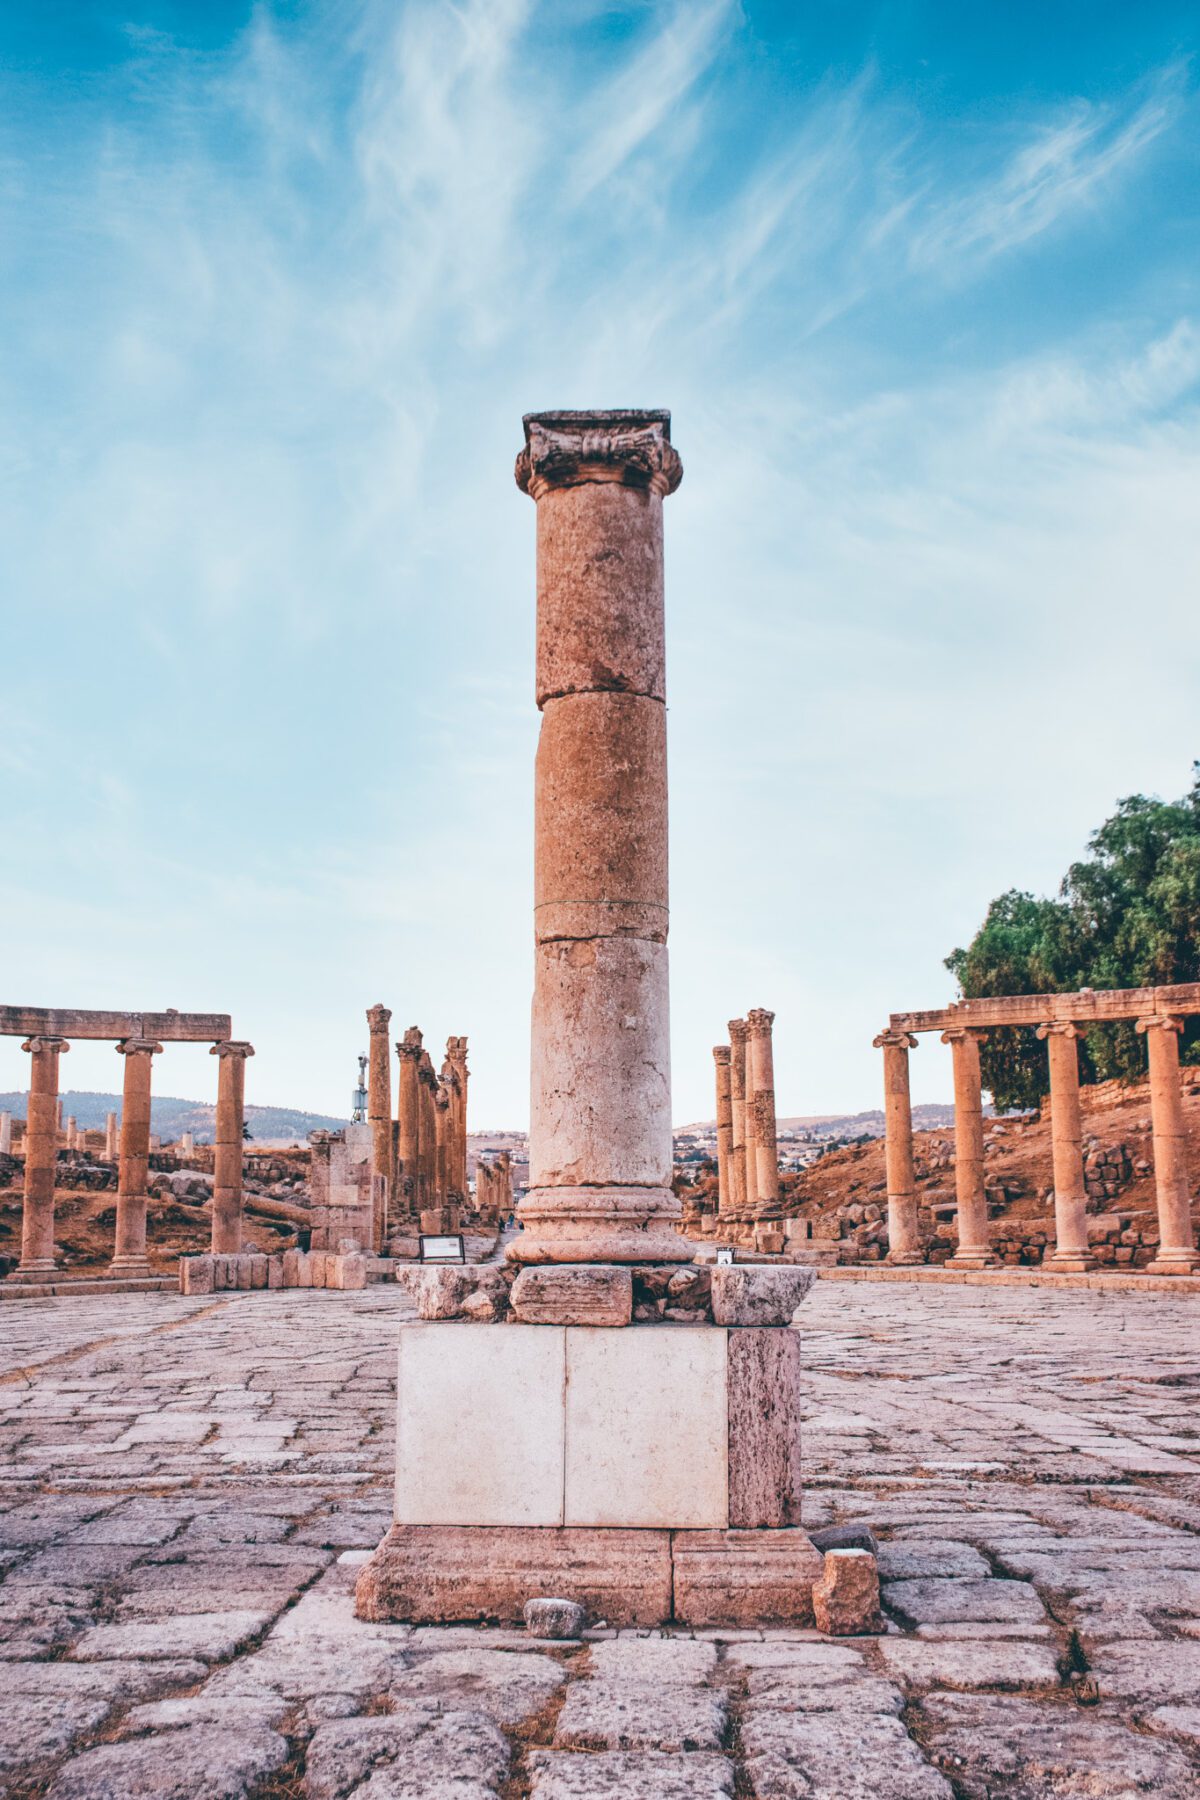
{"x": 479, "y": 1426}
{"x": 846, "y": 1599}
{"x": 304, "y": 1269}
{"x": 646, "y": 1427}
{"x": 317, "y": 1260}
{"x": 196, "y": 1274}
{"x": 258, "y": 1271}
{"x": 458, "y": 1574}
{"x": 275, "y": 1272}
{"x": 243, "y": 1273}
{"x": 554, "y": 1618}
{"x": 757, "y": 1293}
{"x": 751, "y": 1578}
{"x": 764, "y": 1427}
{"x": 573, "y": 1294}
{"x": 354, "y": 1272}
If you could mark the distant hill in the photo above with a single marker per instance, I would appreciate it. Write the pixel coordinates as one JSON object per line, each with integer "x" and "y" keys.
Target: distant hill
{"x": 929, "y": 1116}
{"x": 170, "y": 1116}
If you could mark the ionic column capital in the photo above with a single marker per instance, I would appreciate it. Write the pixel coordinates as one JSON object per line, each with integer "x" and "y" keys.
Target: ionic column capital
{"x": 722, "y": 1053}
{"x": 894, "y": 1040}
{"x": 759, "y": 1021}
{"x": 410, "y": 1046}
{"x": 959, "y": 1034}
{"x": 138, "y": 1047}
{"x": 738, "y": 1031}
{"x": 379, "y": 1017}
{"x": 566, "y": 449}
{"x": 1160, "y": 1022}
{"x": 1065, "y": 1028}
{"x": 37, "y": 1046}
{"x": 234, "y": 1047}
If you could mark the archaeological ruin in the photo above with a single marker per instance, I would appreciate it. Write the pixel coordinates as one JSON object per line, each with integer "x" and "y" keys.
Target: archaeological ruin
{"x": 1060, "y": 1020}
{"x": 139, "y": 1037}
{"x": 558, "y": 1434}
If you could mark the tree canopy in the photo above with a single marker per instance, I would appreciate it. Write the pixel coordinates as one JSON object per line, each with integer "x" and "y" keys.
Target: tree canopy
{"x": 1127, "y": 915}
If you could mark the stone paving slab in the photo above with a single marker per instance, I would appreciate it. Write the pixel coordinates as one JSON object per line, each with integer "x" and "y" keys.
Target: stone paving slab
{"x": 188, "y": 1487}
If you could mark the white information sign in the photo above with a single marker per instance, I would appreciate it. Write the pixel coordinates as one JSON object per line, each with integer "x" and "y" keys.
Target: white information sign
{"x": 724, "y": 1256}
{"x": 443, "y": 1249}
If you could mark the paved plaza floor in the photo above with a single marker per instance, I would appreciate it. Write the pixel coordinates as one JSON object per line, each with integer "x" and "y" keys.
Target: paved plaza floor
{"x": 187, "y": 1488}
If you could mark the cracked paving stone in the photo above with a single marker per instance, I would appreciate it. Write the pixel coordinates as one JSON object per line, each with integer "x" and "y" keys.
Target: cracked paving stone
{"x": 1006, "y": 1749}
{"x": 640, "y": 1775}
{"x": 1148, "y": 1674}
{"x": 48, "y": 1705}
{"x": 414, "y": 1753}
{"x": 942, "y": 1602}
{"x": 603, "y": 1714}
{"x": 204, "y": 1762}
{"x": 971, "y": 1663}
{"x": 210, "y": 1635}
{"x": 827, "y": 1756}
{"x": 505, "y": 1685}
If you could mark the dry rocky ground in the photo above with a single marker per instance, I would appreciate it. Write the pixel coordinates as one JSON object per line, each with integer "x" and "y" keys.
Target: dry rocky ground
{"x": 187, "y": 1488}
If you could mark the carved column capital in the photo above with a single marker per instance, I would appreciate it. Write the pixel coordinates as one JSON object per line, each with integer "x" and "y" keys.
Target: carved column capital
{"x": 739, "y": 1031}
{"x": 37, "y": 1045}
{"x": 759, "y": 1021}
{"x": 566, "y": 449}
{"x": 721, "y": 1053}
{"x": 894, "y": 1040}
{"x": 410, "y": 1046}
{"x": 1065, "y": 1028}
{"x": 138, "y": 1047}
{"x": 1160, "y": 1022}
{"x": 379, "y": 1017}
{"x": 234, "y": 1047}
{"x": 958, "y": 1034}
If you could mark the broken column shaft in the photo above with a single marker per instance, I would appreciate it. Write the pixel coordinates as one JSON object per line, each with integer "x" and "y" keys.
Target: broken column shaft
{"x": 600, "y": 1129}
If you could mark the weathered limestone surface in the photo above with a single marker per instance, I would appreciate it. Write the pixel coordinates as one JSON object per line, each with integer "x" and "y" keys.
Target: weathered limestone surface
{"x": 174, "y": 1459}
{"x": 1177, "y": 1251}
{"x": 904, "y": 1241}
{"x": 229, "y": 1147}
{"x": 974, "y": 1250}
{"x": 41, "y": 1140}
{"x": 764, "y": 1380}
{"x": 600, "y": 1125}
{"x": 130, "y": 1257}
{"x": 573, "y": 1294}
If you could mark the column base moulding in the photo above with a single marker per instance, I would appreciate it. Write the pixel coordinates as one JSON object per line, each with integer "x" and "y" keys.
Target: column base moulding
{"x": 1174, "y": 1262}
{"x": 472, "y": 1574}
{"x": 904, "y": 1259}
{"x": 1070, "y": 1262}
{"x": 133, "y": 1268}
{"x": 974, "y": 1259}
{"x": 599, "y": 1224}
{"x": 40, "y": 1268}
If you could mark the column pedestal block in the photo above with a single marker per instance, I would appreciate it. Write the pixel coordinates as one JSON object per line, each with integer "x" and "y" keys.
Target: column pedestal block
{"x": 1174, "y": 1262}
{"x": 1069, "y": 1263}
{"x": 974, "y": 1259}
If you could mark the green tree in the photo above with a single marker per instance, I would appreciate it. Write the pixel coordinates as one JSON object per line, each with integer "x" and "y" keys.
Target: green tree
{"x": 1127, "y": 915}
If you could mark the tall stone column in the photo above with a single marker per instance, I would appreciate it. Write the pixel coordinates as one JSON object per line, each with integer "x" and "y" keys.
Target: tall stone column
{"x": 737, "y": 1116}
{"x": 129, "y": 1249}
{"x": 408, "y": 1051}
{"x": 721, "y": 1057}
{"x": 456, "y": 1056}
{"x": 41, "y": 1151}
{"x": 110, "y": 1138}
{"x": 600, "y": 1127}
{"x": 427, "y": 1177}
{"x": 72, "y": 1133}
{"x": 1176, "y": 1242}
{"x": 1071, "y": 1253}
{"x": 443, "y": 1124}
{"x": 5, "y": 1134}
{"x": 904, "y": 1237}
{"x": 762, "y": 1080}
{"x": 974, "y": 1248}
{"x": 379, "y": 1116}
{"x": 229, "y": 1146}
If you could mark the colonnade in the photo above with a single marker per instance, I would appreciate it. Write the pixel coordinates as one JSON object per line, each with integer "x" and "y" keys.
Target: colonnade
{"x": 747, "y": 1136}
{"x": 139, "y": 1041}
{"x": 1060, "y": 1020}
{"x": 419, "y": 1160}
{"x": 493, "y": 1188}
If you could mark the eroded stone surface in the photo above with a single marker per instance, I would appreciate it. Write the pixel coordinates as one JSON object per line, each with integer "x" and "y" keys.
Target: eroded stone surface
{"x": 203, "y": 1762}
{"x": 648, "y": 1774}
{"x": 1002, "y": 1749}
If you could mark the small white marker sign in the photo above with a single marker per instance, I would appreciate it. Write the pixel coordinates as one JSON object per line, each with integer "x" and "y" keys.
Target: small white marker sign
{"x": 448, "y": 1249}
{"x": 724, "y": 1256}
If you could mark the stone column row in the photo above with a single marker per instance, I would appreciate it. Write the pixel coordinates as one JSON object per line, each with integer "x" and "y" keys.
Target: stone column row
{"x": 1072, "y": 1254}
{"x": 747, "y": 1135}
{"x": 41, "y": 1143}
{"x": 379, "y": 1117}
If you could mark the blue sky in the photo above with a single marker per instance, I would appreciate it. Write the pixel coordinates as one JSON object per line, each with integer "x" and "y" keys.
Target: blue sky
{"x": 920, "y": 286}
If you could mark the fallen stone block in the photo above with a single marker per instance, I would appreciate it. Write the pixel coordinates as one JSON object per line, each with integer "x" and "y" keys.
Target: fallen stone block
{"x": 758, "y": 1293}
{"x": 549, "y": 1618}
{"x": 846, "y": 1599}
{"x": 196, "y": 1274}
